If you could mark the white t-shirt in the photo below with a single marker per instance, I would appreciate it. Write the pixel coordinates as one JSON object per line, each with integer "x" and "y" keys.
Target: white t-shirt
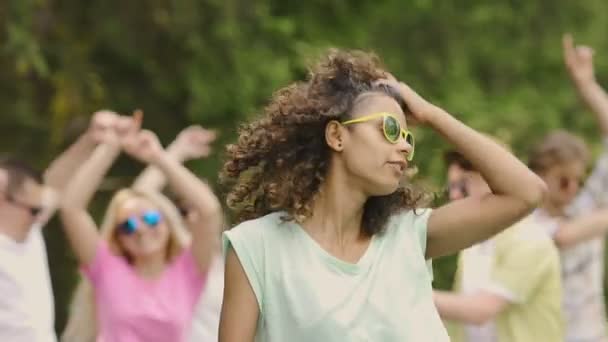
{"x": 206, "y": 322}
{"x": 26, "y": 298}
{"x": 476, "y": 274}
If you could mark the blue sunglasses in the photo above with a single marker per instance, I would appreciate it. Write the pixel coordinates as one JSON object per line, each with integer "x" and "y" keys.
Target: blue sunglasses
{"x": 150, "y": 217}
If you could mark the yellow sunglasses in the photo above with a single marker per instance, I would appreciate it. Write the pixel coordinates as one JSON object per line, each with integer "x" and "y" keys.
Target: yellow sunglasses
{"x": 391, "y": 128}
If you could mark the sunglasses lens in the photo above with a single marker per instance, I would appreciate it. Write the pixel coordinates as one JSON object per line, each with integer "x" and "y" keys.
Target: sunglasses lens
{"x": 129, "y": 226}
{"x": 151, "y": 218}
{"x": 409, "y": 138}
{"x": 392, "y": 128}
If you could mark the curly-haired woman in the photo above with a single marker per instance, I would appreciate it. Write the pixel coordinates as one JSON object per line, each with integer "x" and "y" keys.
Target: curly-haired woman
{"x": 333, "y": 242}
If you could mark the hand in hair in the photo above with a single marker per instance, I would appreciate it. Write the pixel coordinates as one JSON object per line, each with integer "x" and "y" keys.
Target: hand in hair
{"x": 419, "y": 108}
{"x": 579, "y": 60}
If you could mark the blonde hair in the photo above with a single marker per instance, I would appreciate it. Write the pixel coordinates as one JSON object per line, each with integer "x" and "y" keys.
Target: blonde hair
{"x": 82, "y": 322}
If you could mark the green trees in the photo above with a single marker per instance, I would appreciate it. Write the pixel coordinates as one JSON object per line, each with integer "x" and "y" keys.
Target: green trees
{"x": 497, "y": 65}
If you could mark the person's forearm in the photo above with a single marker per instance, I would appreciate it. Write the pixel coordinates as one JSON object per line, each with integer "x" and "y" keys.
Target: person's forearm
{"x": 190, "y": 188}
{"x": 88, "y": 177}
{"x": 503, "y": 172}
{"x": 596, "y": 99}
{"x": 200, "y": 198}
{"x": 61, "y": 170}
{"x": 582, "y": 229}
{"x": 153, "y": 179}
{"x": 459, "y": 308}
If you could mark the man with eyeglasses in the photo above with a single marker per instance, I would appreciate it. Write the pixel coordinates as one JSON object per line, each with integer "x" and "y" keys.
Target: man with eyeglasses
{"x": 27, "y": 201}
{"x": 508, "y": 287}
{"x": 575, "y": 213}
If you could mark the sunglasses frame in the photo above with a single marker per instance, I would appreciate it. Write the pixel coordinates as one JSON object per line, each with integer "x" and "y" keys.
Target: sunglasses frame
{"x": 122, "y": 226}
{"x": 404, "y": 133}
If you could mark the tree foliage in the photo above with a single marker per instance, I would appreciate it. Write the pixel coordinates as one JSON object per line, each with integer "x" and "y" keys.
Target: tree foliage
{"x": 496, "y": 65}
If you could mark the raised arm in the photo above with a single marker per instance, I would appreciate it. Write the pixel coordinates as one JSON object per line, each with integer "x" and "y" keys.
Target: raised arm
{"x": 77, "y": 222}
{"x": 62, "y": 168}
{"x": 573, "y": 231}
{"x": 191, "y": 143}
{"x": 476, "y": 308}
{"x": 579, "y": 63}
{"x": 516, "y": 191}
{"x": 205, "y": 231}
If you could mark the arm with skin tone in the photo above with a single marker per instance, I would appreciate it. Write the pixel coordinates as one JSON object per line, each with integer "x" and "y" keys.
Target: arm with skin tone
{"x": 145, "y": 146}
{"x": 477, "y": 308}
{"x": 191, "y": 143}
{"x": 62, "y": 169}
{"x": 79, "y": 226}
{"x": 574, "y": 231}
{"x": 516, "y": 191}
{"x": 240, "y": 310}
{"x": 77, "y": 222}
{"x": 579, "y": 63}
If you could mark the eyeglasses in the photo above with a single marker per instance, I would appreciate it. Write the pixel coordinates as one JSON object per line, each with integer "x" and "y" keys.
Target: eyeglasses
{"x": 150, "y": 217}
{"x": 392, "y": 130}
{"x": 33, "y": 210}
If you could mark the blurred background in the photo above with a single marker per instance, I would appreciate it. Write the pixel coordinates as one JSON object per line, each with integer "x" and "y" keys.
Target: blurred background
{"x": 496, "y": 65}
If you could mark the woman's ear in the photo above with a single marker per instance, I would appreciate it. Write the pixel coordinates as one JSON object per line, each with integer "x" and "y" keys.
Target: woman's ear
{"x": 334, "y": 135}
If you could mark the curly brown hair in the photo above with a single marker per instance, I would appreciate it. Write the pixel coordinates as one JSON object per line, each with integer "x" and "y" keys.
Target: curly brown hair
{"x": 281, "y": 159}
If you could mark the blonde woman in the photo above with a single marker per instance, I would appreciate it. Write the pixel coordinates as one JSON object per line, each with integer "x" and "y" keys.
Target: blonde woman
{"x": 145, "y": 274}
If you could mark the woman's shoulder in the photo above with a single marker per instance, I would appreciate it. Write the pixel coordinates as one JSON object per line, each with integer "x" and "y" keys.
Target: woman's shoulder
{"x": 260, "y": 225}
{"x": 409, "y": 224}
{"x": 257, "y": 231}
{"x": 410, "y": 217}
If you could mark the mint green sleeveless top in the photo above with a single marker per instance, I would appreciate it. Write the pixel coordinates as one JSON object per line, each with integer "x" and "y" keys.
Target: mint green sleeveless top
{"x": 307, "y": 295}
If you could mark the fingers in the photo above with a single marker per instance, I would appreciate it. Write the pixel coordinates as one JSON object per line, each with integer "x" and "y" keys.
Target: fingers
{"x": 197, "y": 135}
{"x": 573, "y": 54}
{"x": 146, "y": 135}
{"x": 584, "y": 52}
{"x": 568, "y": 45}
{"x": 389, "y": 81}
{"x": 138, "y": 117}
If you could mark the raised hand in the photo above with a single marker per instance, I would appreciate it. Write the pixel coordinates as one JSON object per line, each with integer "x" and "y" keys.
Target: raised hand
{"x": 578, "y": 60}
{"x": 143, "y": 145}
{"x": 101, "y": 127}
{"x": 193, "y": 142}
{"x": 419, "y": 108}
